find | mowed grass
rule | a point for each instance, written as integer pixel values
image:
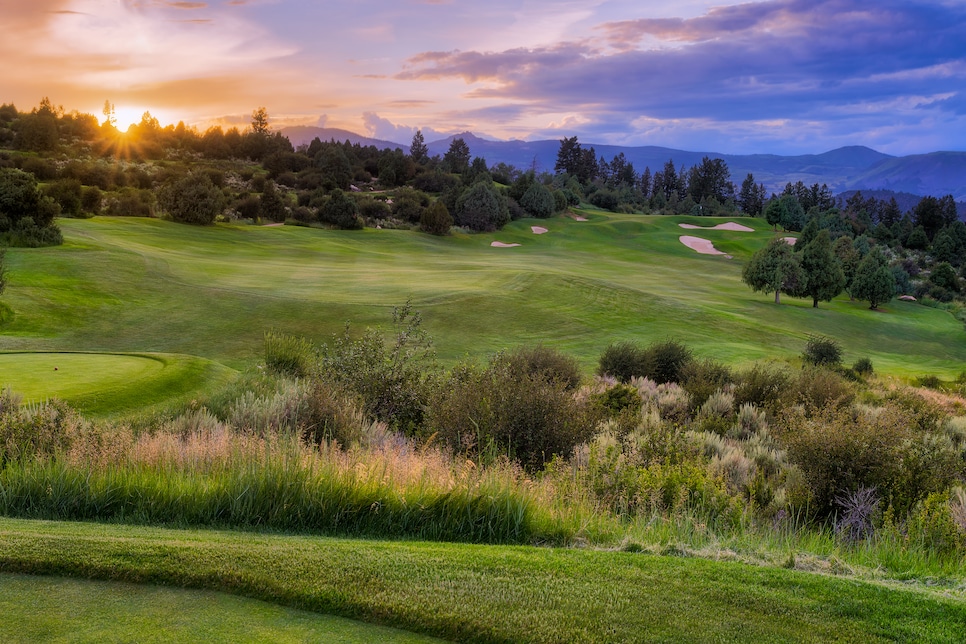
(50, 609)
(100, 384)
(136, 285)
(493, 593)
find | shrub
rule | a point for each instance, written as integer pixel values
(863, 367)
(436, 219)
(545, 363)
(622, 360)
(817, 387)
(340, 211)
(505, 410)
(666, 361)
(193, 199)
(44, 429)
(288, 355)
(763, 385)
(392, 381)
(702, 378)
(822, 351)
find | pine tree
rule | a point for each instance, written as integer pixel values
(418, 151)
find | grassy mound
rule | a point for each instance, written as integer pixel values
(491, 593)
(102, 383)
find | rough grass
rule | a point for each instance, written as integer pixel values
(51, 609)
(132, 285)
(491, 593)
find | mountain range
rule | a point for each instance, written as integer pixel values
(842, 169)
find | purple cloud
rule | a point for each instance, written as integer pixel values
(827, 61)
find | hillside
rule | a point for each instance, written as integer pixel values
(846, 168)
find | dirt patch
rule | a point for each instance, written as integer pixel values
(726, 226)
(498, 244)
(539, 230)
(702, 246)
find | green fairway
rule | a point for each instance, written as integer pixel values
(496, 593)
(99, 383)
(50, 609)
(134, 285)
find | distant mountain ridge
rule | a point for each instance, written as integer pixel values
(846, 168)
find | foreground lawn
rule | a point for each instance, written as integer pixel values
(135, 285)
(50, 609)
(490, 593)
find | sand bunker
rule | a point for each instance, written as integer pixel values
(727, 226)
(503, 245)
(790, 240)
(538, 230)
(702, 246)
(579, 218)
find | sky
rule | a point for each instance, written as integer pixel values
(779, 76)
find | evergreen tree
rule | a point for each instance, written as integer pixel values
(874, 281)
(418, 151)
(538, 200)
(436, 219)
(823, 275)
(774, 268)
(457, 157)
(809, 233)
(849, 259)
(751, 197)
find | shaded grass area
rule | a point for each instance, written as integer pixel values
(101, 384)
(492, 593)
(144, 285)
(49, 609)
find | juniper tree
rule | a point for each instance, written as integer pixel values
(774, 268)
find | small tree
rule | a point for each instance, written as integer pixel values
(538, 200)
(193, 199)
(823, 275)
(482, 208)
(822, 351)
(774, 268)
(874, 281)
(436, 219)
(340, 210)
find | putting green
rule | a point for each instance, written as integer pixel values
(48, 609)
(100, 383)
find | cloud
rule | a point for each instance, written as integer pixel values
(757, 63)
(378, 127)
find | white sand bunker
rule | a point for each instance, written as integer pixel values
(579, 218)
(727, 226)
(702, 246)
(538, 230)
(790, 240)
(497, 244)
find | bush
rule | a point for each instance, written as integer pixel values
(27, 432)
(393, 381)
(702, 378)
(285, 354)
(822, 351)
(193, 199)
(545, 363)
(763, 385)
(436, 219)
(863, 367)
(340, 211)
(817, 387)
(666, 361)
(503, 410)
(623, 361)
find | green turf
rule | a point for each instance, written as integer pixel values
(98, 383)
(135, 285)
(492, 593)
(50, 609)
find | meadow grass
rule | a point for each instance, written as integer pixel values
(134, 285)
(479, 593)
(51, 609)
